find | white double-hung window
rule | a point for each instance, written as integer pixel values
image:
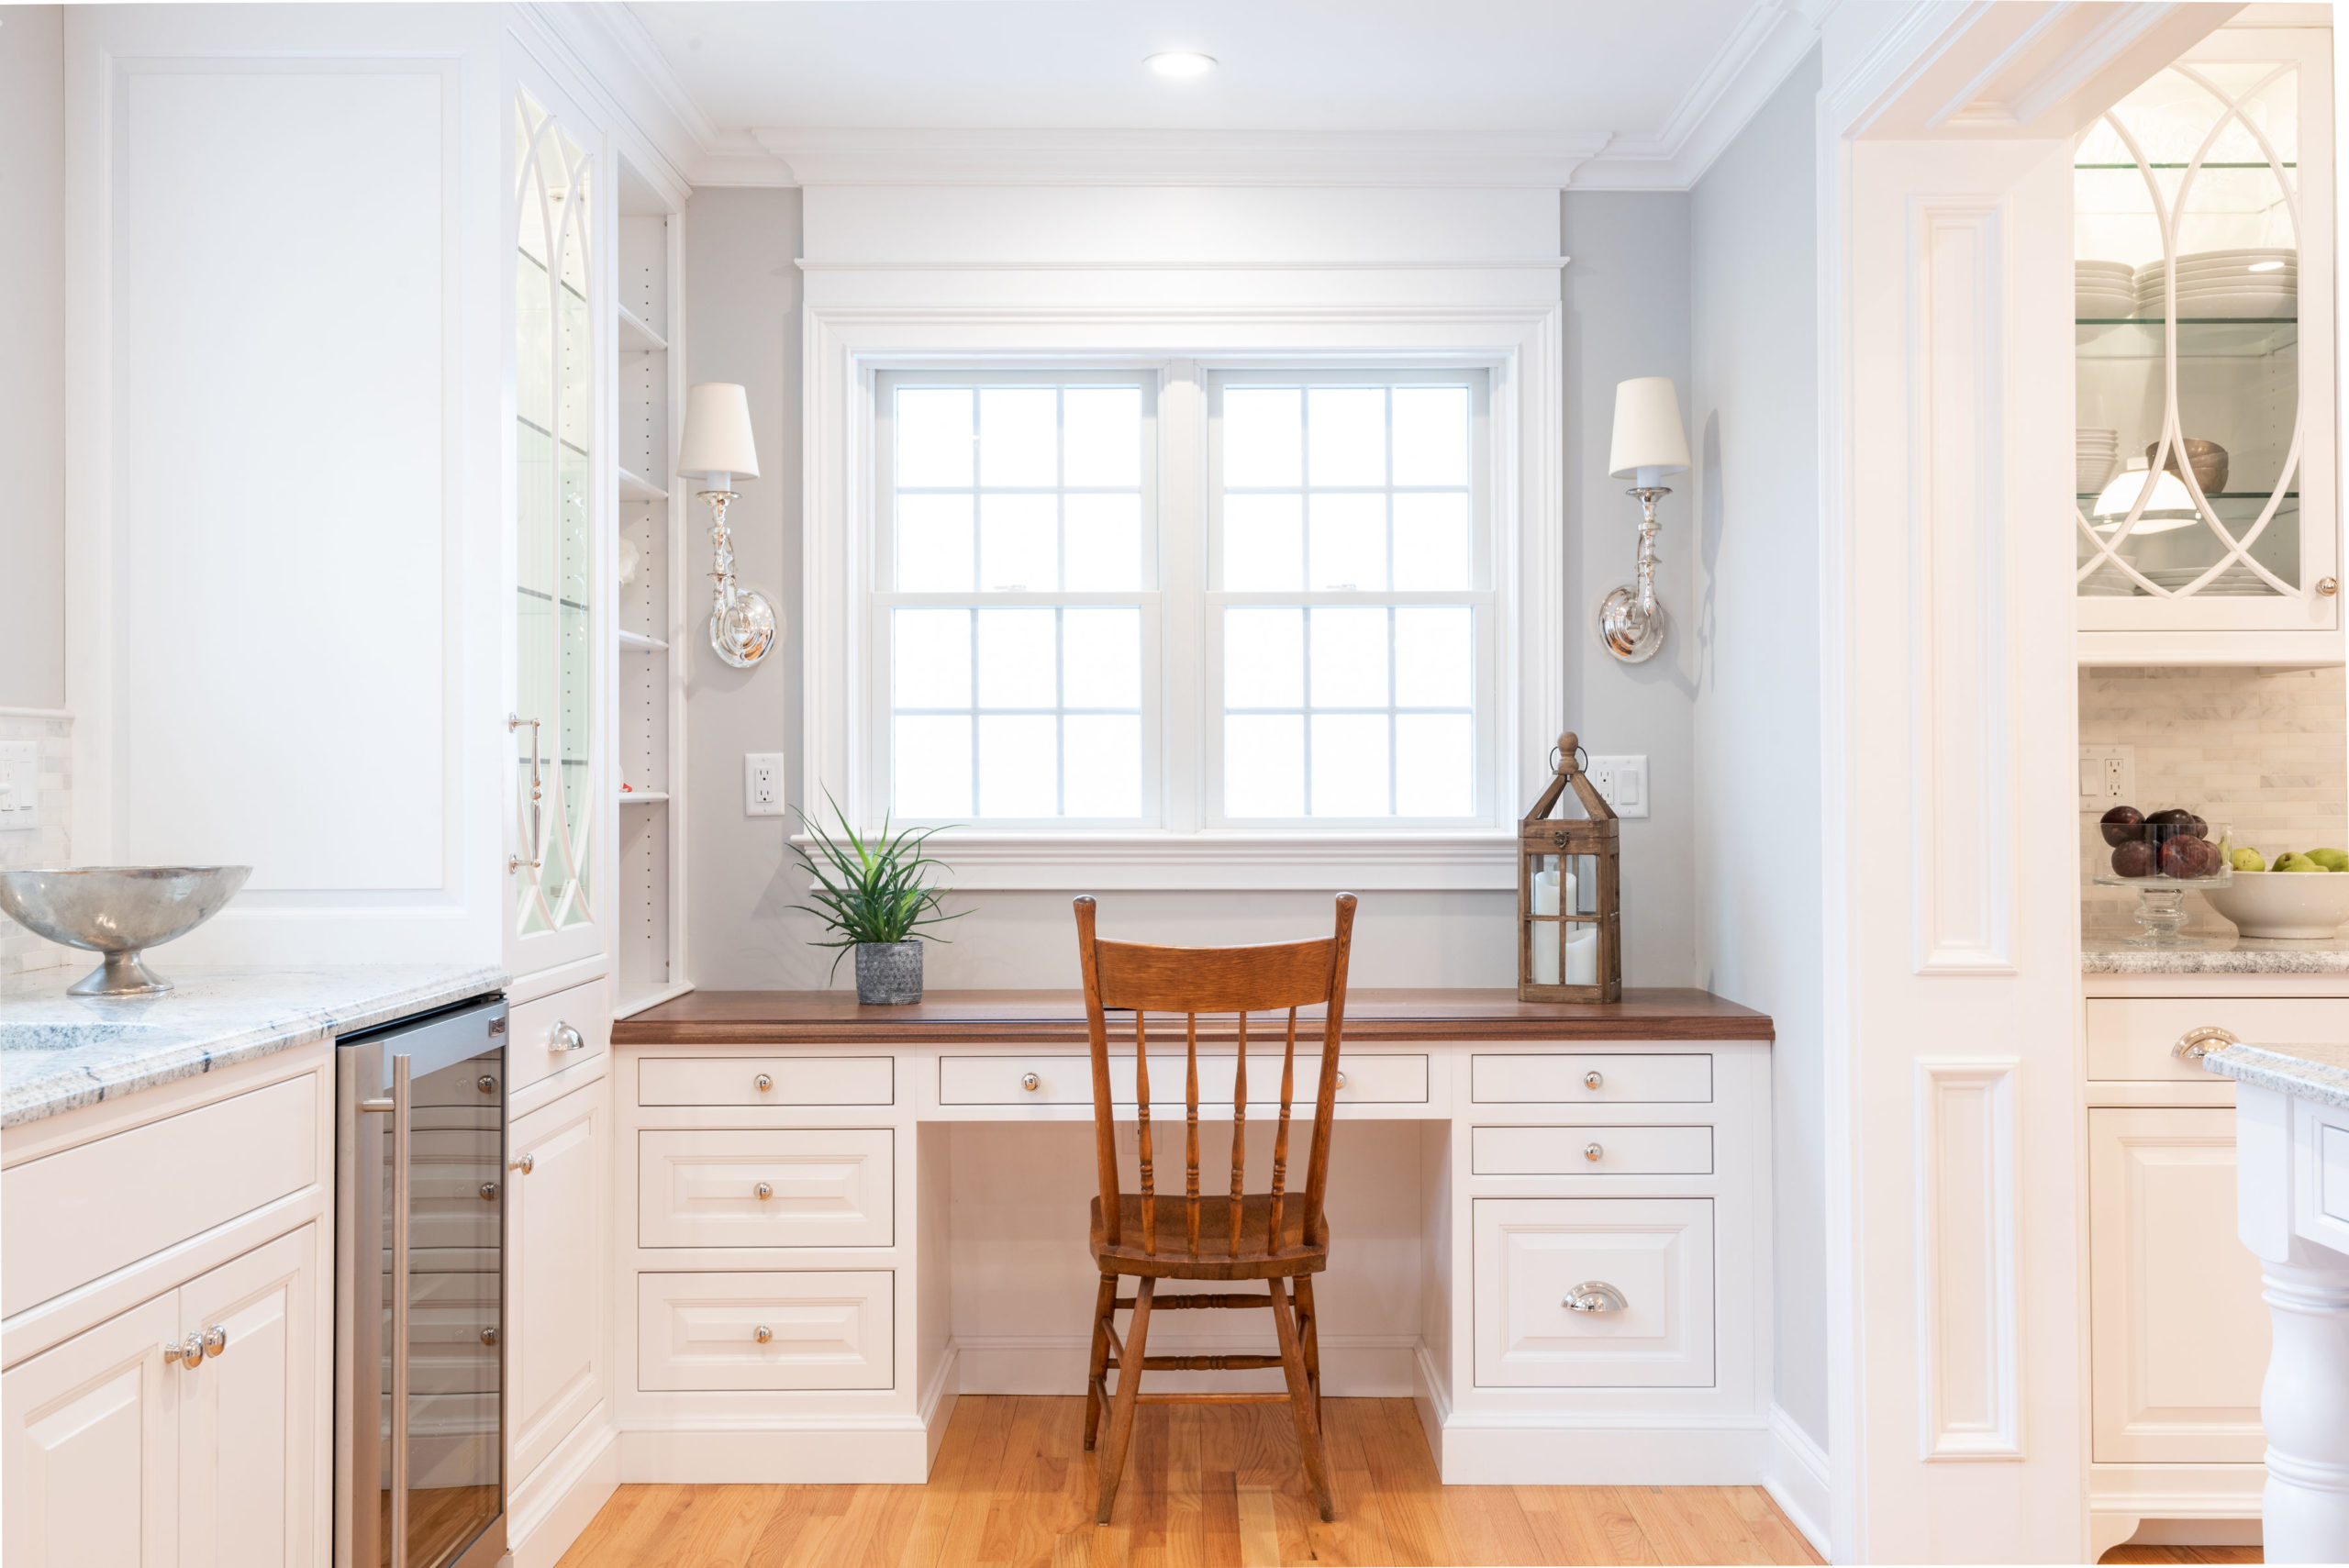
(1183, 599)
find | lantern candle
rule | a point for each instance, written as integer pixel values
(1569, 894)
(1580, 940)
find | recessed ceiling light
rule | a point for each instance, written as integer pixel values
(1180, 63)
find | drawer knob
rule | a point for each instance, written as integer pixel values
(489, 1192)
(1593, 1152)
(765, 1189)
(566, 1038)
(1596, 1296)
(762, 1082)
(486, 1084)
(523, 1164)
(1030, 1082)
(763, 1333)
(489, 1335)
(2195, 1044)
(189, 1353)
(216, 1340)
(1593, 1079)
(1342, 1079)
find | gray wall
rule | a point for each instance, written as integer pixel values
(1754, 646)
(32, 356)
(1627, 309)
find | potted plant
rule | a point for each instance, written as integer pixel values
(875, 897)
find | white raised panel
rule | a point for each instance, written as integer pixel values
(91, 1448)
(1592, 1077)
(1957, 673)
(824, 1330)
(1532, 1254)
(2165, 1266)
(1967, 1267)
(1591, 1151)
(250, 1431)
(558, 1222)
(88, 1210)
(828, 1187)
(790, 1081)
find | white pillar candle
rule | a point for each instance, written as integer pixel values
(1545, 933)
(1582, 955)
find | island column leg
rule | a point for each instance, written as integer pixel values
(2304, 1404)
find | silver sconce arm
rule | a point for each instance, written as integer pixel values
(742, 622)
(1631, 620)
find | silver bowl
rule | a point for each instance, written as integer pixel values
(118, 910)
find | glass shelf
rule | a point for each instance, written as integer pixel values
(2199, 338)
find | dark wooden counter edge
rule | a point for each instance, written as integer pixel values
(795, 1017)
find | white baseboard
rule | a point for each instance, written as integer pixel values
(1796, 1475)
(769, 1450)
(1353, 1366)
(547, 1511)
(1474, 1449)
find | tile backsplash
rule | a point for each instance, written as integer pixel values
(2265, 750)
(47, 841)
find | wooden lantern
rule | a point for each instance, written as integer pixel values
(1569, 893)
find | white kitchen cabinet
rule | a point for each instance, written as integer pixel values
(558, 1273)
(92, 1455)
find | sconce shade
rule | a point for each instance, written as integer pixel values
(1647, 428)
(717, 432)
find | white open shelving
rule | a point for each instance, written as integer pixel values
(648, 930)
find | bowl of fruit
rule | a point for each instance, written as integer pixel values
(2164, 855)
(2294, 898)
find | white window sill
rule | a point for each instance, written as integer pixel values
(1484, 859)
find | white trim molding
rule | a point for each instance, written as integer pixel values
(1076, 861)
(1969, 1319)
(1796, 1474)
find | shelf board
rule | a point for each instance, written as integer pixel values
(632, 488)
(636, 337)
(638, 642)
(643, 796)
(651, 996)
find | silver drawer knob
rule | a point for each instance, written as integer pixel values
(524, 1165)
(1596, 1296)
(486, 1084)
(566, 1038)
(1341, 1080)
(1593, 1152)
(489, 1192)
(489, 1335)
(189, 1353)
(2195, 1044)
(763, 1333)
(762, 1082)
(765, 1189)
(216, 1340)
(1030, 1082)
(1593, 1079)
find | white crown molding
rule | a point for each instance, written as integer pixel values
(1769, 41)
(907, 156)
(613, 48)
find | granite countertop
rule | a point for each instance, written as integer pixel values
(2319, 1073)
(2221, 952)
(59, 1052)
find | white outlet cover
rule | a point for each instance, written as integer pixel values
(1625, 783)
(20, 783)
(762, 783)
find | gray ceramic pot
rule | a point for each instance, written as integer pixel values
(888, 974)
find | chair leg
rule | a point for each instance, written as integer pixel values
(1308, 1323)
(1097, 1368)
(1301, 1401)
(1122, 1416)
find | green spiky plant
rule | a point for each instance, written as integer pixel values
(869, 890)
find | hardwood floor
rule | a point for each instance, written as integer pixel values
(1218, 1486)
(2183, 1555)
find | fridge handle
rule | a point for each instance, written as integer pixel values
(400, 1108)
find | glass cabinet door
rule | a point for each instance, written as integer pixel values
(2203, 495)
(555, 386)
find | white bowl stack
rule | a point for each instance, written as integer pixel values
(2104, 291)
(2258, 281)
(2096, 453)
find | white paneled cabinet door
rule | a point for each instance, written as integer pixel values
(2165, 1265)
(558, 1274)
(92, 1453)
(250, 1448)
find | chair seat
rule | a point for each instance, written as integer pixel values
(1215, 1260)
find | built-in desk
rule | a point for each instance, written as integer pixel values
(835, 1219)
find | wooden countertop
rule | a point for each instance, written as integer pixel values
(788, 1018)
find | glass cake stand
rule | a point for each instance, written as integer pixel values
(2161, 900)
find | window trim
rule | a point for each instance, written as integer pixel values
(1517, 341)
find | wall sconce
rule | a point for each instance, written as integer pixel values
(716, 449)
(1649, 443)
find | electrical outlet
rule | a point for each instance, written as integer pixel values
(1623, 781)
(20, 783)
(2108, 777)
(762, 783)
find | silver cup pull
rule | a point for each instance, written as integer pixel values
(1596, 1296)
(1030, 1082)
(1593, 1079)
(763, 1333)
(566, 1038)
(1594, 1153)
(2195, 1044)
(762, 1082)
(765, 1189)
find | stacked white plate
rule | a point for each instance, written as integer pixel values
(2104, 291)
(2096, 453)
(2263, 281)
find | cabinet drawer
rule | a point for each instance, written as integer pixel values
(789, 1080)
(2131, 1036)
(81, 1213)
(538, 1035)
(824, 1330)
(1068, 1080)
(1596, 1078)
(1655, 1254)
(1591, 1151)
(828, 1187)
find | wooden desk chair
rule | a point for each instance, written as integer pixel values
(1243, 1235)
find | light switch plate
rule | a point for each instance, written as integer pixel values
(19, 784)
(2108, 777)
(762, 783)
(1625, 783)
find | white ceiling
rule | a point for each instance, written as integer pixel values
(1586, 66)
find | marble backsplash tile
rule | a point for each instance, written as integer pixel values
(47, 842)
(2264, 750)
